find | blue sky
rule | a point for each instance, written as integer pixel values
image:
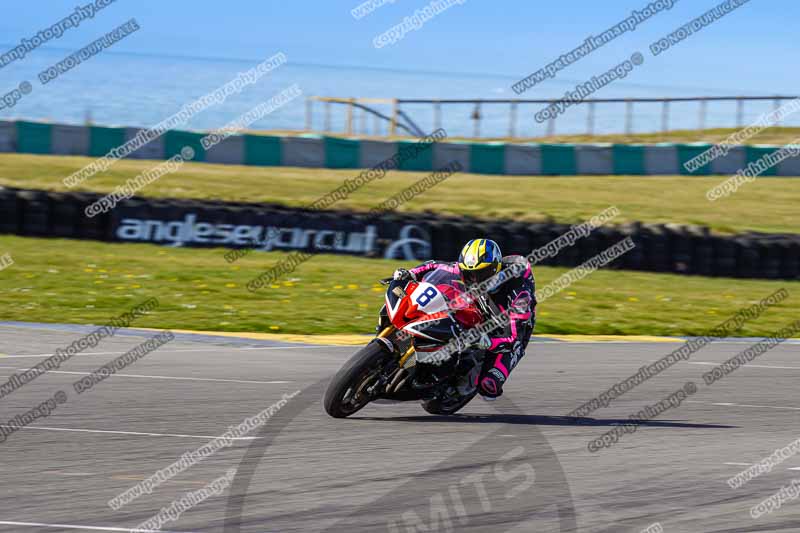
(740, 54)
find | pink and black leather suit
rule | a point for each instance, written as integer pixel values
(517, 298)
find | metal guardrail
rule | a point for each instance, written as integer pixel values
(399, 120)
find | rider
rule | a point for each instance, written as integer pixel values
(480, 259)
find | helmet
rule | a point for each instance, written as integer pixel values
(480, 259)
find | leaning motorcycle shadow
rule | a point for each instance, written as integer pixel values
(540, 420)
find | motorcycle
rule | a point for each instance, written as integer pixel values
(407, 360)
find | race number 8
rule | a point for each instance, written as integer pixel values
(425, 298)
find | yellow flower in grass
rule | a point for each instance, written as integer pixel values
(363, 305)
(352, 286)
(99, 281)
(288, 284)
(377, 289)
(136, 286)
(88, 270)
(633, 299)
(338, 287)
(274, 286)
(274, 327)
(230, 285)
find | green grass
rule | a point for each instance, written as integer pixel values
(768, 204)
(83, 282)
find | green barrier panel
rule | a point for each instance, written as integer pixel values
(754, 153)
(262, 150)
(175, 141)
(689, 151)
(628, 159)
(558, 159)
(342, 153)
(102, 140)
(34, 137)
(487, 158)
(413, 159)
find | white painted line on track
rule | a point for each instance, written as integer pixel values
(134, 433)
(82, 528)
(746, 366)
(226, 348)
(728, 404)
(794, 468)
(737, 464)
(168, 377)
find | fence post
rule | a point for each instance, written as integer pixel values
(512, 121)
(309, 112)
(739, 112)
(665, 116)
(327, 116)
(364, 121)
(476, 116)
(628, 117)
(393, 126)
(703, 110)
(590, 119)
(349, 121)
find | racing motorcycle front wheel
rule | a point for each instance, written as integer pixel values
(347, 392)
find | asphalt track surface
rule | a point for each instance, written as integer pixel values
(514, 465)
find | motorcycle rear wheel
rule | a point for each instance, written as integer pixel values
(345, 393)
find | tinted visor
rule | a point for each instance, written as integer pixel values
(474, 277)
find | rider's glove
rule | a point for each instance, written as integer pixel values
(484, 342)
(401, 274)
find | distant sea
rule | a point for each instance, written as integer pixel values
(127, 89)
